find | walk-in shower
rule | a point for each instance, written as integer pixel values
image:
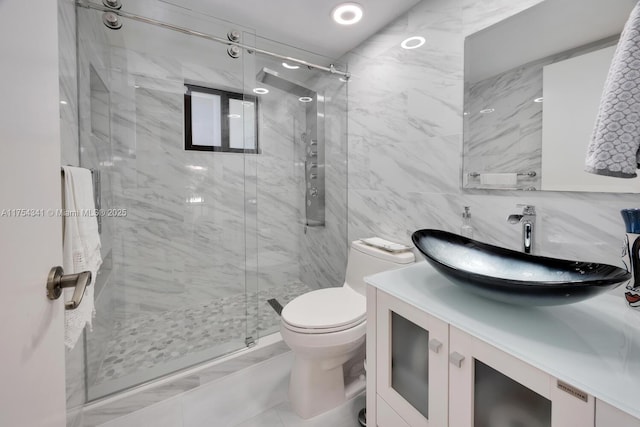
(211, 234)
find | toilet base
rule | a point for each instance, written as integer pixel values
(328, 388)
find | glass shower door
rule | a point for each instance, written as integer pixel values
(173, 289)
(301, 177)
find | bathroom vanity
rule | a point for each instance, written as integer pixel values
(439, 356)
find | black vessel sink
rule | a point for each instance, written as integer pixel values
(515, 277)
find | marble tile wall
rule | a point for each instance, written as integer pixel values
(510, 138)
(170, 253)
(323, 251)
(405, 145)
(206, 258)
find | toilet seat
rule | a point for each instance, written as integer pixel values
(325, 310)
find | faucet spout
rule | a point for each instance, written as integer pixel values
(514, 219)
(527, 218)
(527, 236)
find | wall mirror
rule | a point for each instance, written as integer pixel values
(532, 87)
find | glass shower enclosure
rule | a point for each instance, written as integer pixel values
(231, 166)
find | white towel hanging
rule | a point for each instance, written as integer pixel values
(81, 246)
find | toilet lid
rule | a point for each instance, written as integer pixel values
(328, 308)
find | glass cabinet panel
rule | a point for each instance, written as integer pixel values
(501, 401)
(410, 362)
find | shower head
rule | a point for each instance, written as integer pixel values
(273, 79)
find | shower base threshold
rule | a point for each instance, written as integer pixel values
(126, 402)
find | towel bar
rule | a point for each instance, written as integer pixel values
(530, 174)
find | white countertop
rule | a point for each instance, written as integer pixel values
(593, 345)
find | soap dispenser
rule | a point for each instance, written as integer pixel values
(466, 229)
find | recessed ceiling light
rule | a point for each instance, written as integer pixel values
(347, 13)
(63, 102)
(289, 66)
(305, 99)
(538, 99)
(234, 116)
(196, 167)
(136, 86)
(413, 42)
(487, 111)
(261, 90)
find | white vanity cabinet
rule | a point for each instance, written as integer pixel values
(440, 356)
(488, 387)
(609, 416)
(428, 373)
(411, 369)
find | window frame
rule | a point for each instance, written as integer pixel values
(225, 97)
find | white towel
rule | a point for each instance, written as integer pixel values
(386, 245)
(81, 247)
(510, 179)
(613, 150)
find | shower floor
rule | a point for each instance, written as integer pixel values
(149, 341)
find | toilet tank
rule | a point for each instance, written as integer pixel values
(365, 260)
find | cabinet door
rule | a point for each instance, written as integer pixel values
(412, 351)
(608, 416)
(490, 388)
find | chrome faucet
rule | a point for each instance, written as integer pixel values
(527, 219)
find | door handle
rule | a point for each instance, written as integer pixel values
(57, 281)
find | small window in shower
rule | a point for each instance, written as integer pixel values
(219, 120)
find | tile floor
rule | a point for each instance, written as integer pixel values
(283, 416)
(150, 340)
(255, 396)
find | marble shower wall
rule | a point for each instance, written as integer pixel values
(182, 241)
(405, 145)
(323, 250)
(510, 138)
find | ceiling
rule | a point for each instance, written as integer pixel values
(545, 29)
(306, 24)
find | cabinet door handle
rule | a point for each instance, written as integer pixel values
(456, 359)
(435, 345)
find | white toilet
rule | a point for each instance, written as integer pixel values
(326, 331)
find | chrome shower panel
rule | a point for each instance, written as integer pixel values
(313, 139)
